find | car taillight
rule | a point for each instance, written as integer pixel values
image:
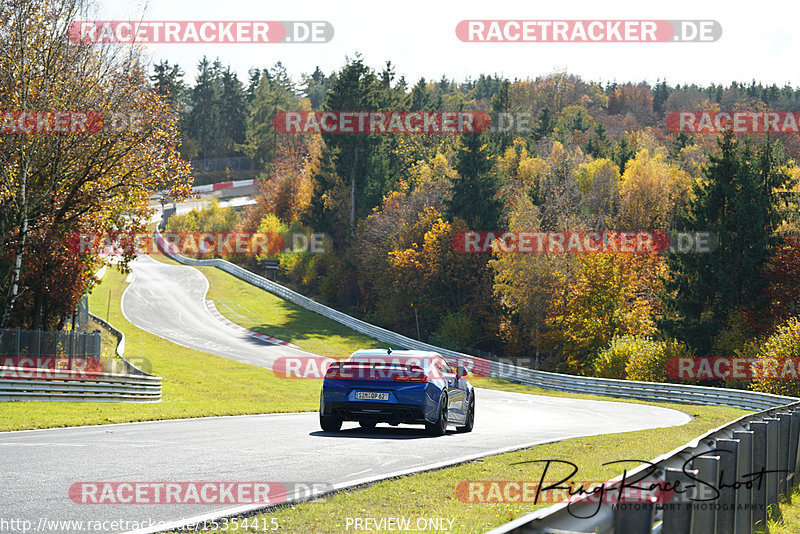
(335, 373)
(414, 374)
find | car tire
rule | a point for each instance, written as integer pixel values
(330, 423)
(367, 425)
(439, 428)
(470, 422)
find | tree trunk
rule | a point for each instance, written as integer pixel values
(353, 193)
(20, 252)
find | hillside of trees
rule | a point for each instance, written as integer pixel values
(594, 157)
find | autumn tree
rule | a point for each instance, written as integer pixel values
(286, 188)
(53, 186)
(524, 283)
(607, 295)
(651, 193)
(782, 291)
(598, 181)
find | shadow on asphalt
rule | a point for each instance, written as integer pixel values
(378, 433)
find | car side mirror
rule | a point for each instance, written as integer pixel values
(461, 371)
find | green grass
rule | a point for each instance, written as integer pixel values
(195, 384)
(433, 493)
(785, 519)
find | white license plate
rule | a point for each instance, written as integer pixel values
(372, 395)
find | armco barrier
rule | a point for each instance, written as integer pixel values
(105, 387)
(130, 385)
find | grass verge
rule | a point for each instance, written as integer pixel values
(785, 519)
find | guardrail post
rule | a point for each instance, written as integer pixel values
(784, 438)
(96, 349)
(728, 452)
(759, 429)
(797, 455)
(794, 441)
(772, 460)
(744, 495)
(704, 518)
(38, 350)
(634, 517)
(678, 511)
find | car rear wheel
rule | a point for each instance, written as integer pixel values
(439, 428)
(330, 423)
(367, 425)
(470, 422)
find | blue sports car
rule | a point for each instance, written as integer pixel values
(384, 386)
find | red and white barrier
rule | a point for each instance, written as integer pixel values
(209, 188)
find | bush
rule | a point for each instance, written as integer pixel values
(670, 350)
(749, 349)
(733, 336)
(783, 344)
(333, 282)
(456, 332)
(612, 361)
(639, 358)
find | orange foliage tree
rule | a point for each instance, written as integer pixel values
(606, 295)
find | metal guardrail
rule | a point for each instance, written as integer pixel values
(128, 384)
(748, 400)
(72, 386)
(723, 488)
